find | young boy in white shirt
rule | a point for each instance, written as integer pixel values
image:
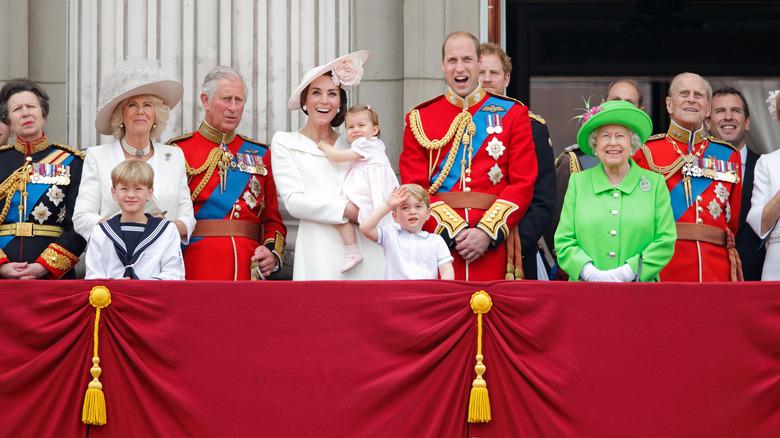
(134, 245)
(410, 253)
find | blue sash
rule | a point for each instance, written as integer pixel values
(34, 194)
(698, 183)
(479, 138)
(217, 206)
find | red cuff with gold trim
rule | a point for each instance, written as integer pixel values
(57, 260)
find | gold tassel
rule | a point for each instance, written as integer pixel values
(479, 403)
(94, 411)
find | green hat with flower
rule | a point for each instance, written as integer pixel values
(615, 112)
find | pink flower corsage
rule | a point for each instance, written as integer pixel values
(589, 113)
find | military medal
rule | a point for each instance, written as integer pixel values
(490, 129)
(499, 128)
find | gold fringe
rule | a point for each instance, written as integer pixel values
(94, 411)
(479, 402)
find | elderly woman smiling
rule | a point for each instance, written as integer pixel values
(136, 99)
(616, 223)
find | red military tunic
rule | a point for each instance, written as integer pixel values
(222, 250)
(712, 201)
(487, 184)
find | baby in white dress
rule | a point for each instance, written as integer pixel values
(369, 179)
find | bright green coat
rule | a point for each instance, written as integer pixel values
(609, 227)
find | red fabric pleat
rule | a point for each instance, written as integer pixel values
(392, 359)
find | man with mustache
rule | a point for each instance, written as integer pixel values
(704, 179)
(474, 154)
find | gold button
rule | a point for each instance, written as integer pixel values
(699, 198)
(238, 208)
(454, 219)
(235, 215)
(490, 219)
(699, 209)
(699, 220)
(467, 189)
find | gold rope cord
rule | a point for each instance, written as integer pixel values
(666, 171)
(209, 165)
(456, 129)
(16, 182)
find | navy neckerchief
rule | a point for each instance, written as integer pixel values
(113, 229)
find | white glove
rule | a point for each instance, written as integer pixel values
(618, 275)
(623, 274)
(592, 273)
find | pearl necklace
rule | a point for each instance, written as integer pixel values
(136, 152)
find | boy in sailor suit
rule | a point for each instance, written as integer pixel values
(134, 245)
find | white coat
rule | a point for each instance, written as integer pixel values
(171, 192)
(307, 181)
(766, 183)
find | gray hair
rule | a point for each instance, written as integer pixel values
(161, 111)
(706, 84)
(209, 86)
(636, 142)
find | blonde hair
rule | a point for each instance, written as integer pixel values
(161, 114)
(133, 171)
(372, 115)
(419, 193)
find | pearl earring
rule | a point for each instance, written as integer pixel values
(304, 107)
(338, 110)
(154, 125)
(121, 125)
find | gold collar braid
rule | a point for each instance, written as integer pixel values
(461, 123)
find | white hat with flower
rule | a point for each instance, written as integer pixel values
(772, 103)
(347, 72)
(134, 77)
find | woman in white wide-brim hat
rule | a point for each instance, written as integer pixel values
(135, 102)
(308, 181)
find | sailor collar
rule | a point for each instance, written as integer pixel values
(214, 135)
(32, 147)
(465, 102)
(683, 135)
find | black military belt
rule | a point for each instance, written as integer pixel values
(27, 229)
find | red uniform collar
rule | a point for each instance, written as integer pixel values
(465, 102)
(683, 135)
(214, 135)
(33, 147)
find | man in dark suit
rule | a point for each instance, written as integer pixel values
(729, 119)
(494, 72)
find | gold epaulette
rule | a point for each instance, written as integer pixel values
(426, 103)
(173, 141)
(721, 141)
(657, 136)
(73, 151)
(245, 138)
(536, 117)
(8, 146)
(505, 97)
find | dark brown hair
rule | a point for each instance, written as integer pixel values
(17, 86)
(339, 119)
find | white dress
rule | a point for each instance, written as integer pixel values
(171, 192)
(369, 180)
(307, 182)
(766, 182)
